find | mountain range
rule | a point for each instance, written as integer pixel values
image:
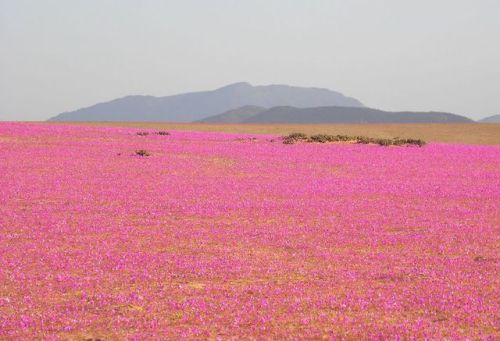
(330, 114)
(245, 103)
(491, 119)
(198, 105)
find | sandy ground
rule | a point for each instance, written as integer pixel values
(468, 133)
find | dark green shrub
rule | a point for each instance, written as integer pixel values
(297, 136)
(480, 259)
(321, 138)
(142, 152)
(398, 142)
(163, 133)
(324, 138)
(294, 137)
(344, 138)
(383, 142)
(363, 139)
(143, 133)
(417, 142)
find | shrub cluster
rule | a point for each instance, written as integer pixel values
(142, 152)
(324, 138)
(145, 133)
(294, 137)
(399, 142)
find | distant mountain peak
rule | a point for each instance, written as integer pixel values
(238, 85)
(491, 119)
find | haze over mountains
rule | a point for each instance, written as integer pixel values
(331, 114)
(491, 119)
(238, 115)
(198, 105)
(244, 103)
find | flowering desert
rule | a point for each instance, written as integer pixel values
(120, 233)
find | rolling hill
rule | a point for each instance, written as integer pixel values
(332, 114)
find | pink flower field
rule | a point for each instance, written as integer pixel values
(225, 236)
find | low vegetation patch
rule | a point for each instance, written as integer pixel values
(163, 133)
(325, 138)
(294, 137)
(143, 133)
(142, 152)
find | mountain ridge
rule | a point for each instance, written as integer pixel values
(491, 119)
(188, 107)
(235, 115)
(288, 114)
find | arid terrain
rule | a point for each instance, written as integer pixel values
(126, 233)
(467, 133)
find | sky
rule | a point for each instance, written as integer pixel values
(426, 55)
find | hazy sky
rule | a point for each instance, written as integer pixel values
(59, 55)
